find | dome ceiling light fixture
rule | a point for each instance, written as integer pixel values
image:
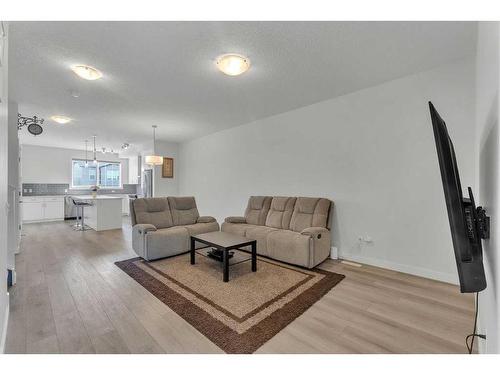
(232, 64)
(86, 72)
(154, 159)
(33, 124)
(60, 119)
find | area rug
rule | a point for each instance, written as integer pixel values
(242, 314)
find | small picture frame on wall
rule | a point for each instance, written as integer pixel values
(168, 168)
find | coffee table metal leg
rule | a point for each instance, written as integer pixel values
(226, 265)
(254, 257)
(192, 251)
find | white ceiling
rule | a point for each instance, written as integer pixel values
(163, 73)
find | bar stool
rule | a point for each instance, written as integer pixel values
(80, 214)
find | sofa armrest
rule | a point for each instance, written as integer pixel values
(236, 220)
(315, 232)
(205, 219)
(144, 228)
(139, 238)
(320, 244)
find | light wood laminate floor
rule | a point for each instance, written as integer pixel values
(71, 298)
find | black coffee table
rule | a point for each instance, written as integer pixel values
(225, 242)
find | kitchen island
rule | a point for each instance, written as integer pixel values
(105, 212)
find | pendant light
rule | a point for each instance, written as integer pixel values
(154, 159)
(86, 153)
(95, 157)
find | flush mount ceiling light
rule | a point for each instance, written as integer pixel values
(154, 159)
(60, 119)
(232, 64)
(86, 72)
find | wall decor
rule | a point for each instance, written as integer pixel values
(168, 168)
(34, 124)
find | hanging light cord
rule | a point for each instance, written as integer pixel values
(473, 335)
(154, 139)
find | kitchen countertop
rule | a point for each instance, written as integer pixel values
(70, 194)
(98, 197)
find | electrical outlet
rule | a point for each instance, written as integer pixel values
(366, 239)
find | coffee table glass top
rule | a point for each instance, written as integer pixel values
(237, 258)
(223, 239)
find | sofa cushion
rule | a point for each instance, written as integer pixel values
(199, 228)
(280, 212)
(183, 210)
(310, 212)
(155, 211)
(206, 219)
(166, 242)
(239, 229)
(260, 234)
(257, 209)
(290, 247)
(235, 219)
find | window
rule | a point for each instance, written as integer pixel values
(84, 176)
(104, 174)
(109, 174)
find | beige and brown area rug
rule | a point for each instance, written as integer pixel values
(242, 314)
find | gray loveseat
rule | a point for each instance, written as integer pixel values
(161, 227)
(294, 230)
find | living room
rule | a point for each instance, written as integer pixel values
(249, 187)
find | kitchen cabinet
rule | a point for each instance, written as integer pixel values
(125, 205)
(134, 169)
(32, 211)
(104, 213)
(42, 208)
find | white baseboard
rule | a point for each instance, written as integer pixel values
(417, 271)
(3, 339)
(42, 221)
(334, 253)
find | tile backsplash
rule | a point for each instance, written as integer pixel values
(64, 189)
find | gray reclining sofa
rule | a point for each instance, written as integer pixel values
(161, 227)
(294, 230)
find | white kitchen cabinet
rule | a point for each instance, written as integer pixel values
(54, 210)
(32, 211)
(104, 213)
(43, 208)
(133, 170)
(125, 205)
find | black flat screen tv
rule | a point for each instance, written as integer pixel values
(468, 224)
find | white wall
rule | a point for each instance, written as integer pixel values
(487, 138)
(4, 302)
(162, 187)
(372, 152)
(50, 165)
(13, 186)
